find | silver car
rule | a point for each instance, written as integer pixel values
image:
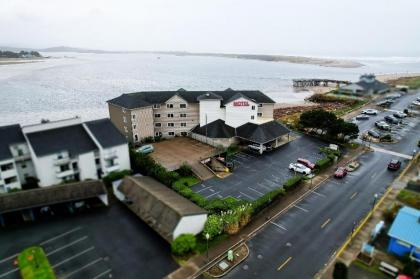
(299, 168)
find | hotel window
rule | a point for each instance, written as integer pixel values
(158, 134)
(171, 133)
(183, 105)
(7, 167)
(259, 114)
(183, 115)
(157, 115)
(253, 107)
(10, 180)
(171, 124)
(260, 105)
(158, 124)
(170, 115)
(156, 106)
(183, 124)
(133, 116)
(169, 105)
(136, 138)
(64, 168)
(252, 117)
(134, 127)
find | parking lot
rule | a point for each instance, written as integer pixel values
(256, 175)
(103, 243)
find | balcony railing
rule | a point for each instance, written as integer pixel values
(61, 174)
(61, 161)
(23, 157)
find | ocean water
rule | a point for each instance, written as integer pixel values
(70, 84)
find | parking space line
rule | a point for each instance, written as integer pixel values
(284, 263)
(220, 196)
(325, 223)
(279, 226)
(67, 245)
(102, 274)
(212, 195)
(61, 235)
(303, 209)
(83, 267)
(256, 191)
(319, 194)
(74, 256)
(252, 198)
(354, 194)
(261, 185)
(9, 258)
(203, 189)
(8, 272)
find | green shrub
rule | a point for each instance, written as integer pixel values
(267, 198)
(115, 175)
(323, 163)
(183, 244)
(185, 170)
(292, 183)
(213, 226)
(340, 271)
(199, 200)
(148, 139)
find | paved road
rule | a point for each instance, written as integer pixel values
(256, 175)
(102, 243)
(298, 243)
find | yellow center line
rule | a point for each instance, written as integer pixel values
(325, 223)
(284, 264)
(354, 194)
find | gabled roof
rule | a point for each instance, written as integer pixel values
(51, 195)
(106, 133)
(375, 86)
(217, 129)
(209, 96)
(406, 226)
(9, 135)
(238, 96)
(262, 133)
(73, 139)
(156, 204)
(149, 98)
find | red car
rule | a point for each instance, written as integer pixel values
(394, 164)
(306, 163)
(340, 172)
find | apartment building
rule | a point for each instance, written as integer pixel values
(59, 151)
(177, 113)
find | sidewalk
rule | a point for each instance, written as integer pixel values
(198, 264)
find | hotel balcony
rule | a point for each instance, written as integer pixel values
(61, 174)
(22, 157)
(112, 168)
(61, 161)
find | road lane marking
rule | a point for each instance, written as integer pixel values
(61, 235)
(256, 191)
(284, 263)
(279, 226)
(9, 272)
(212, 194)
(303, 209)
(102, 274)
(74, 256)
(325, 223)
(67, 245)
(83, 267)
(354, 194)
(252, 198)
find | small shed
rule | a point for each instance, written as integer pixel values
(168, 213)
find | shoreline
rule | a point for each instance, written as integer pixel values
(13, 61)
(395, 76)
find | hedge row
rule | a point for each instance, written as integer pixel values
(292, 183)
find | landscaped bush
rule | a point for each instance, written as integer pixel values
(183, 244)
(148, 139)
(386, 138)
(266, 199)
(323, 163)
(115, 175)
(340, 271)
(33, 264)
(185, 170)
(187, 181)
(218, 205)
(213, 226)
(292, 183)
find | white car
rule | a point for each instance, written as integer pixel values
(299, 168)
(256, 147)
(370, 111)
(416, 103)
(399, 114)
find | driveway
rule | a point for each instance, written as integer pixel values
(102, 243)
(255, 175)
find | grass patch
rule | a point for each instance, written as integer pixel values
(187, 181)
(374, 268)
(412, 82)
(201, 246)
(33, 264)
(409, 198)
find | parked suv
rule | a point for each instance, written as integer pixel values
(383, 125)
(306, 163)
(399, 114)
(391, 119)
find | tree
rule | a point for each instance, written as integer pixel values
(183, 244)
(213, 226)
(340, 271)
(317, 118)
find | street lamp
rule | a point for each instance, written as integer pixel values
(375, 197)
(207, 241)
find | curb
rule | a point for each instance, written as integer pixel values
(233, 266)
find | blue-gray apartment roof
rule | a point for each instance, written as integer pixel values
(406, 226)
(10, 134)
(106, 133)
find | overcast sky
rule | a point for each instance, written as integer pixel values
(299, 27)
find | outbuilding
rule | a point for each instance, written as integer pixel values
(168, 213)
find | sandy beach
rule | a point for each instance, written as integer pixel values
(12, 61)
(388, 77)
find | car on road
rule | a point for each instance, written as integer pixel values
(299, 168)
(382, 125)
(306, 163)
(374, 134)
(362, 117)
(399, 114)
(370, 111)
(394, 164)
(391, 119)
(145, 149)
(340, 172)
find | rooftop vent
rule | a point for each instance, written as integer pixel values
(181, 89)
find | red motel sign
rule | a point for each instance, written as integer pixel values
(240, 104)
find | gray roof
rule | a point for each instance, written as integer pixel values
(73, 139)
(106, 133)
(209, 96)
(156, 204)
(51, 195)
(261, 133)
(238, 96)
(9, 135)
(217, 129)
(375, 86)
(149, 98)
